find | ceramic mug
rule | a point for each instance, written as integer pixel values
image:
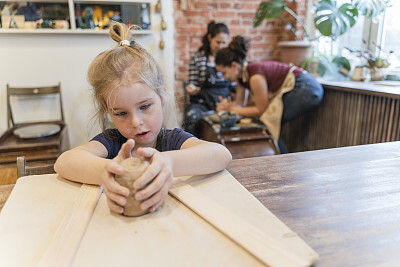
(30, 24)
(5, 22)
(61, 24)
(19, 21)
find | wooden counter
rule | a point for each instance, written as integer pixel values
(344, 202)
(351, 113)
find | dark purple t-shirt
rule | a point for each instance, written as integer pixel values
(167, 140)
(275, 73)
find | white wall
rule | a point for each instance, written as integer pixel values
(46, 59)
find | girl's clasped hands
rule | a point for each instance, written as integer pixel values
(152, 186)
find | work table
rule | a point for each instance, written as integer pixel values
(344, 202)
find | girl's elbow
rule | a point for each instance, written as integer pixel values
(58, 164)
(226, 156)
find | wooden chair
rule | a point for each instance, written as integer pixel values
(24, 170)
(40, 149)
(31, 92)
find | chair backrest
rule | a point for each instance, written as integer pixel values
(24, 170)
(31, 92)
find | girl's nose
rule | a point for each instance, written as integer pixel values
(136, 121)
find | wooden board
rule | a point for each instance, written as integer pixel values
(172, 236)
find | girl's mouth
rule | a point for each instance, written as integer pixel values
(142, 134)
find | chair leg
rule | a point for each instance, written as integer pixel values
(21, 165)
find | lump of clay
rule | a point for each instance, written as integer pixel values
(133, 169)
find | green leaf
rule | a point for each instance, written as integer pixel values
(269, 10)
(371, 8)
(342, 62)
(333, 21)
(323, 66)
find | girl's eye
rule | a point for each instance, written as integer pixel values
(144, 107)
(122, 113)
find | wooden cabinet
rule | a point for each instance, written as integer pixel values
(351, 113)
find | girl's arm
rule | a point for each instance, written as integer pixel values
(197, 157)
(259, 87)
(83, 164)
(87, 164)
(193, 86)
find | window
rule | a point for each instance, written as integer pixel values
(370, 34)
(391, 31)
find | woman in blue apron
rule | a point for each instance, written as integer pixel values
(206, 84)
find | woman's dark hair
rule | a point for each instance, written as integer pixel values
(213, 29)
(235, 51)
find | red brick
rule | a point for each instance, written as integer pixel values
(247, 14)
(201, 5)
(225, 5)
(225, 14)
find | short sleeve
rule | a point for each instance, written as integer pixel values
(112, 140)
(171, 139)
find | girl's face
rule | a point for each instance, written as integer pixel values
(136, 111)
(229, 72)
(219, 41)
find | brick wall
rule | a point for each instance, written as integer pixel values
(191, 19)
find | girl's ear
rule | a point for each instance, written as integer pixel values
(234, 64)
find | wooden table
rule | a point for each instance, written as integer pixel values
(242, 140)
(344, 202)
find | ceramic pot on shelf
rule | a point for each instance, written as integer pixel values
(295, 52)
(376, 74)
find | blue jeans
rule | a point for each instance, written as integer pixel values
(306, 95)
(193, 117)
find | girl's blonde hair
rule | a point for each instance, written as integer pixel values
(125, 64)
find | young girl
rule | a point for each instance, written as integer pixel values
(264, 79)
(129, 86)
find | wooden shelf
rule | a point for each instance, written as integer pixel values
(67, 31)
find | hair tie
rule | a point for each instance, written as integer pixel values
(124, 42)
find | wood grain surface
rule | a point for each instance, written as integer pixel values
(347, 116)
(344, 202)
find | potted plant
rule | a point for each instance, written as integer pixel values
(291, 51)
(331, 20)
(372, 63)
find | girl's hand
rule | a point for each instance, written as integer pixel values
(155, 182)
(224, 104)
(115, 193)
(192, 89)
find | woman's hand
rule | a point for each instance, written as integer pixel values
(224, 104)
(115, 193)
(192, 89)
(155, 182)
